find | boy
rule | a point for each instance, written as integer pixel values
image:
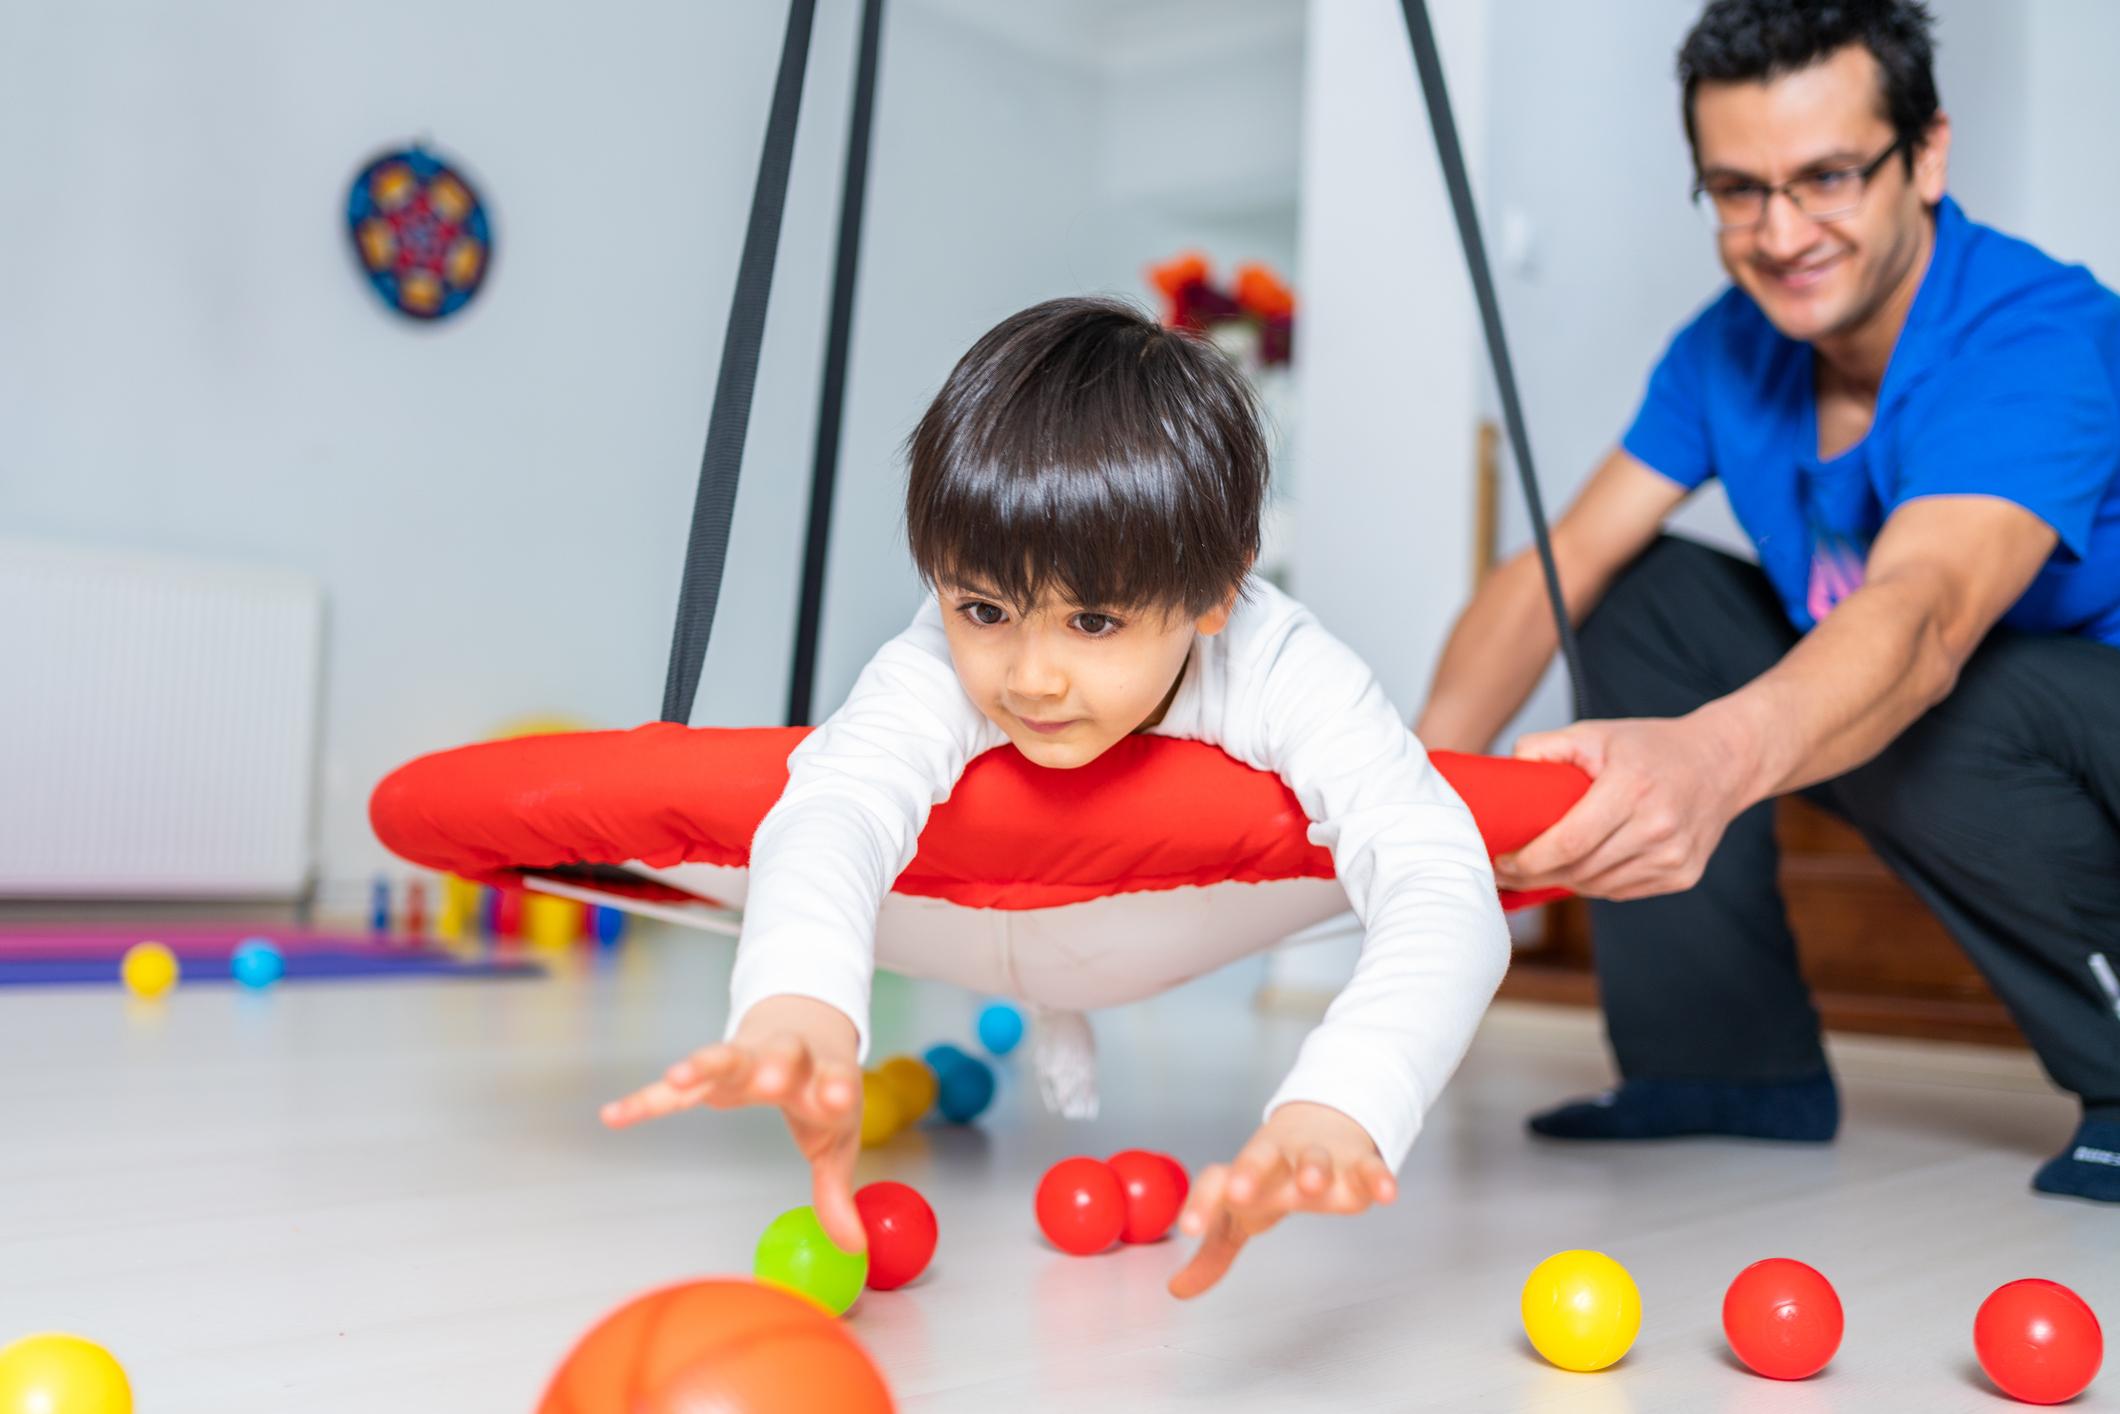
(1084, 499)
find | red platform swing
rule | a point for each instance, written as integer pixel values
(659, 819)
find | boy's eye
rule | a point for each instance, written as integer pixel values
(1096, 625)
(985, 615)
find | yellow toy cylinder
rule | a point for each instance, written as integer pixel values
(550, 921)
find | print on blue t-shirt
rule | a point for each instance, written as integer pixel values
(2005, 382)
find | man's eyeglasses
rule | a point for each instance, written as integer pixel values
(1734, 204)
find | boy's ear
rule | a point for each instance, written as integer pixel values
(1216, 619)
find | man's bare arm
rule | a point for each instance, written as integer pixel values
(1663, 790)
(1941, 573)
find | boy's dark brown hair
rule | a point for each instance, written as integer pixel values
(1081, 446)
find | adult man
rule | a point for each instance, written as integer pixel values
(1917, 420)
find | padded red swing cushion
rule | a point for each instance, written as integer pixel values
(1151, 813)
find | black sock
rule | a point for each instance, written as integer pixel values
(2089, 1167)
(1806, 1110)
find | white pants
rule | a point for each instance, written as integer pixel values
(1079, 956)
(1061, 961)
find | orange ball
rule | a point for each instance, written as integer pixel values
(726, 1345)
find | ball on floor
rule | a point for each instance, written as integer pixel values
(901, 1231)
(1000, 1028)
(62, 1374)
(257, 964)
(795, 1254)
(149, 969)
(1783, 1319)
(941, 1056)
(1155, 1185)
(1081, 1206)
(882, 1116)
(965, 1089)
(1581, 1310)
(725, 1345)
(913, 1081)
(2038, 1341)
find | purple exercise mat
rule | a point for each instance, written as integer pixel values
(55, 955)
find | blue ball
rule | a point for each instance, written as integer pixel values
(967, 1088)
(256, 963)
(610, 924)
(941, 1058)
(1000, 1028)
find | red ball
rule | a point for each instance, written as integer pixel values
(735, 1346)
(2038, 1341)
(1155, 1186)
(1081, 1206)
(1783, 1319)
(901, 1229)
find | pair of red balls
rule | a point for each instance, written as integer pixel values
(2037, 1340)
(1085, 1205)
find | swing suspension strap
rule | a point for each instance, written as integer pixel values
(707, 551)
(1428, 63)
(831, 402)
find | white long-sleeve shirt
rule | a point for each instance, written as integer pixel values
(1275, 691)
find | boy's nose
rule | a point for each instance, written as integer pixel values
(1034, 677)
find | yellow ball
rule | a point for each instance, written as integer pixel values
(881, 1116)
(913, 1083)
(149, 970)
(1581, 1310)
(62, 1374)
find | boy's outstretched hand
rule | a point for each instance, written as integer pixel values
(798, 1054)
(1306, 1158)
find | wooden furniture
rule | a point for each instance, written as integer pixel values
(1876, 959)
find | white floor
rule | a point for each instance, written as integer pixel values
(396, 1197)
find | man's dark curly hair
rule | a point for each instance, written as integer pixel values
(1736, 40)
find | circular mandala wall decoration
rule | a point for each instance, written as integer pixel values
(420, 233)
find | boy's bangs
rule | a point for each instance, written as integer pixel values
(1097, 536)
(1080, 449)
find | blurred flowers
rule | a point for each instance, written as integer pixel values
(1261, 303)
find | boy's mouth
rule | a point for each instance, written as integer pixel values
(1047, 728)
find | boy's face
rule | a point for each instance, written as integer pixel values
(1064, 681)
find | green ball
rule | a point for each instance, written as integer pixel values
(795, 1254)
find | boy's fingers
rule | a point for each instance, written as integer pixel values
(832, 1193)
(783, 1069)
(1211, 1261)
(648, 1102)
(1259, 1169)
(705, 1065)
(1315, 1176)
(1376, 1177)
(835, 1091)
(1205, 1201)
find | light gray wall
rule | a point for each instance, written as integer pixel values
(188, 361)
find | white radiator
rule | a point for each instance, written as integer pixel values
(158, 726)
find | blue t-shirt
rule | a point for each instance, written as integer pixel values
(2005, 382)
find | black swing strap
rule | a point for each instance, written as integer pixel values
(706, 553)
(1429, 64)
(831, 402)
